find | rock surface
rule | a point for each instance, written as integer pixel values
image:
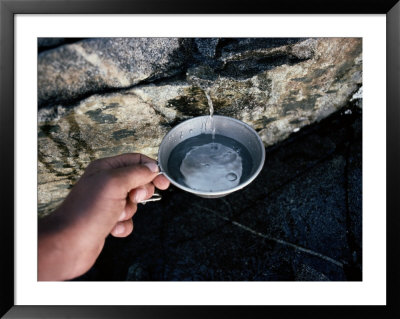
(147, 86)
(44, 43)
(300, 219)
(73, 71)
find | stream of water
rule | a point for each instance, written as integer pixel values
(211, 108)
(209, 162)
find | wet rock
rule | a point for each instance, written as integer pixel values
(288, 97)
(291, 223)
(357, 97)
(277, 87)
(234, 45)
(100, 126)
(44, 43)
(136, 273)
(73, 71)
(207, 46)
(276, 102)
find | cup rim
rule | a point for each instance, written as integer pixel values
(216, 193)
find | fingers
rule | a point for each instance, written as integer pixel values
(161, 182)
(127, 159)
(122, 160)
(129, 210)
(125, 179)
(146, 159)
(141, 193)
(125, 225)
(123, 228)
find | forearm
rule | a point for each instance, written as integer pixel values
(61, 249)
(52, 258)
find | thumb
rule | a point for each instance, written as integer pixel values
(133, 176)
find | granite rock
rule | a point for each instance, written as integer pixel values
(276, 86)
(100, 126)
(207, 46)
(300, 219)
(45, 43)
(70, 72)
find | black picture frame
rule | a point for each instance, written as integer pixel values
(9, 8)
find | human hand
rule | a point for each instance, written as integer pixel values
(102, 202)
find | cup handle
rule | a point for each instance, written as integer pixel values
(156, 197)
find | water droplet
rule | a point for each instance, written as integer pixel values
(181, 135)
(231, 177)
(191, 131)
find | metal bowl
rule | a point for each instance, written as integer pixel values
(226, 126)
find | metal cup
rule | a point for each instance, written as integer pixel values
(226, 126)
